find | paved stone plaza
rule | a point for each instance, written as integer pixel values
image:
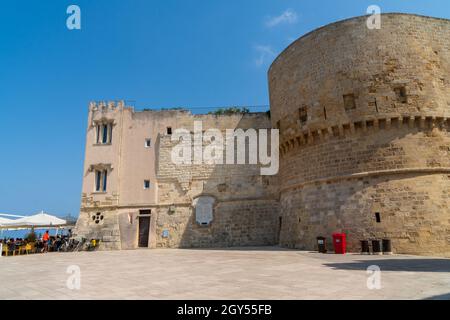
(250, 273)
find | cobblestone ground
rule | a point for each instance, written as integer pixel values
(250, 273)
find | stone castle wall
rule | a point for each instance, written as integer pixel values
(413, 211)
(246, 204)
(364, 118)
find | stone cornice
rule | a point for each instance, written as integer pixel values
(165, 205)
(421, 171)
(307, 136)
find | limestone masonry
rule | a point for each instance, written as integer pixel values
(151, 202)
(364, 120)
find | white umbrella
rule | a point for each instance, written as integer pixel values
(11, 215)
(38, 220)
(4, 221)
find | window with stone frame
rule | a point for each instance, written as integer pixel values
(104, 132)
(100, 175)
(303, 114)
(101, 180)
(377, 217)
(97, 218)
(400, 93)
(349, 101)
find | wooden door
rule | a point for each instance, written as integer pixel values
(144, 231)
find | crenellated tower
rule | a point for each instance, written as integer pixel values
(364, 119)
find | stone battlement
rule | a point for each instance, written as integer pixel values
(106, 105)
(365, 133)
(304, 137)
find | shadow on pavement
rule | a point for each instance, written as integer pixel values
(262, 248)
(440, 297)
(410, 265)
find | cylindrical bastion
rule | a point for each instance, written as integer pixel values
(364, 119)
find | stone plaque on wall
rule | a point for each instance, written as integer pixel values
(204, 210)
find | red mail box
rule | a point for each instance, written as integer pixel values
(339, 243)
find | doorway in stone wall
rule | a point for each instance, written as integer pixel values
(280, 224)
(144, 228)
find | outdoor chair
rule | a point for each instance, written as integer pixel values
(32, 247)
(12, 249)
(16, 250)
(5, 250)
(26, 249)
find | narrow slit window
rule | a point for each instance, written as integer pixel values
(110, 133)
(148, 143)
(303, 114)
(105, 180)
(98, 133)
(105, 134)
(377, 217)
(98, 180)
(147, 184)
(169, 130)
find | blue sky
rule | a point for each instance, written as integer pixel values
(165, 53)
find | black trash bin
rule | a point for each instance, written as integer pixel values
(365, 247)
(387, 246)
(376, 247)
(322, 244)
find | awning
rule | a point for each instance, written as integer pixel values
(4, 221)
(40, 220)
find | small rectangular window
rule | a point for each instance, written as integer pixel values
(105, 134)
(98, 134)
(110, 133)
(169, 130)
(400, 92)
(148, 143)
(303, 114)
(98, 180)
(101, 180)
(147, 184)
(105, 180)
(378, 217)
(349, 102)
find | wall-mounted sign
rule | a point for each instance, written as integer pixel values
(165, 233)
(204, 210)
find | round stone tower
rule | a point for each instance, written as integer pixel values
(364, 119)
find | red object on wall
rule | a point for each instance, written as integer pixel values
(339, 243)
